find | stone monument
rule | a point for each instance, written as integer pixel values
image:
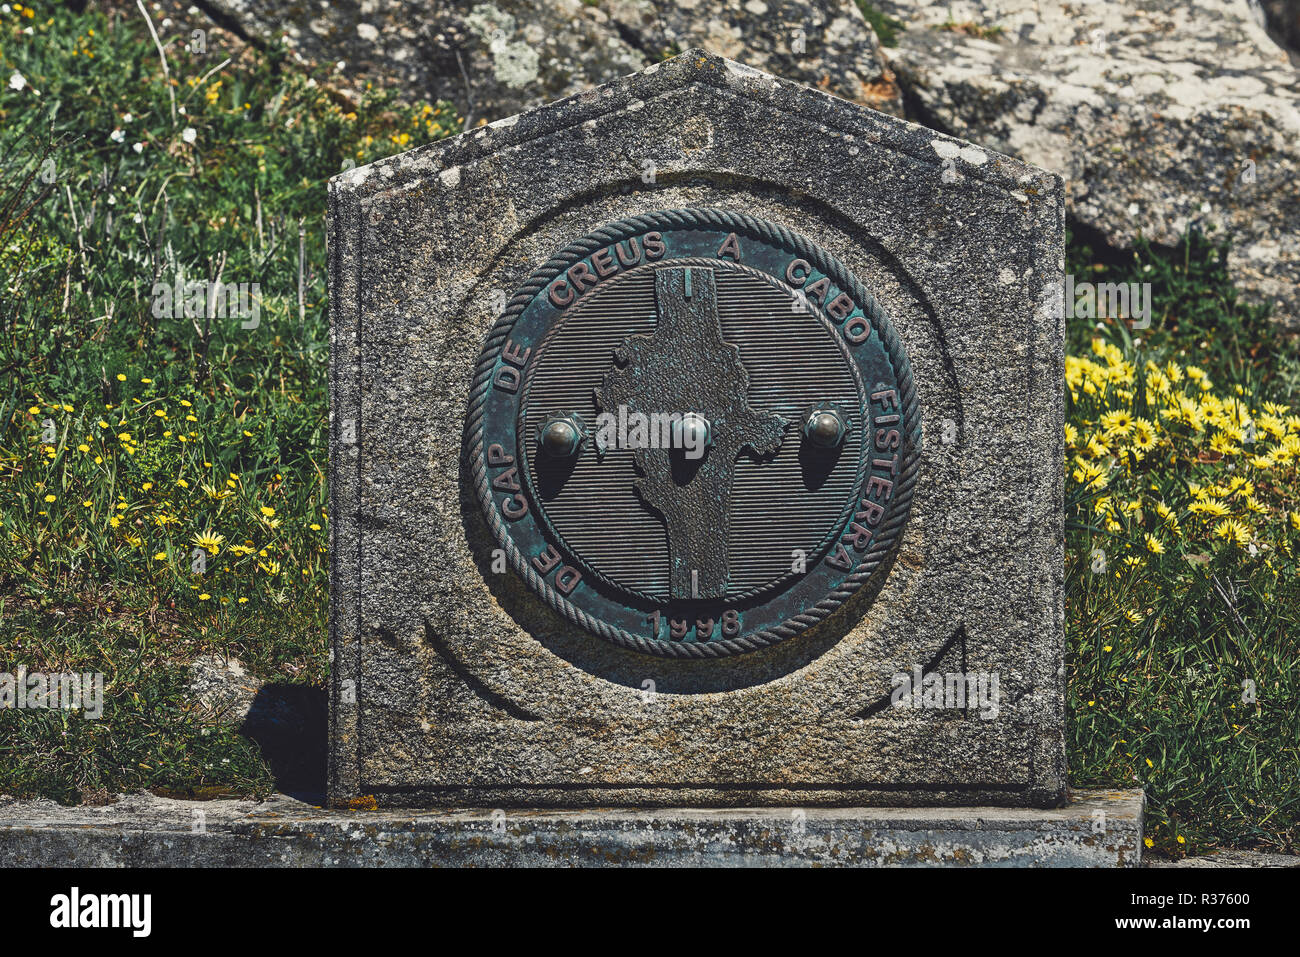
(697, 442)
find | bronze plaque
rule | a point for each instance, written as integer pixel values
(694, 433)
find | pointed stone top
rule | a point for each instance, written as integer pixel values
(734, 87)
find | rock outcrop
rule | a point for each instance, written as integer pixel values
(498, 58)
(1160, 114)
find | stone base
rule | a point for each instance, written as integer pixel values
(1094, 829)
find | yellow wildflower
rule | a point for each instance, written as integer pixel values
(209, 540)
(1117, 423)
(1233, 532)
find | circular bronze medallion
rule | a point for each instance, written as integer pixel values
(694, 433)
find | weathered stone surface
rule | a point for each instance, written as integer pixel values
(453, 685)
(494, 59)
(1158, 113)
(1095, 829)
(223, 689)
(1226, 858)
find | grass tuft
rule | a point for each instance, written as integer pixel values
(162, 473)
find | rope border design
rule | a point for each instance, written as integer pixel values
(772, 234)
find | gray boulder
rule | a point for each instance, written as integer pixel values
(1160, 114)
(495, 59)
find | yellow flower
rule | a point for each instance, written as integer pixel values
(51, 498)
(160, 557)
(1148, 842)
(204, 597)
(1091, 475)
(87, 503)
(1233, 531)
(268, 511)
(1272, 425)
(314, 527)
(1117, 423)
(1224, 443)
(83, 447)
(1144, 434)
(35, 410)
(1211, 508)
(209, 540)
(1153, 545)
(1097, 447)
(121, 377)
(1181, 839)
(182, 483)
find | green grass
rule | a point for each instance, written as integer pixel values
(885, 26)
(1183, 529)
(97, 544)
(162, 488)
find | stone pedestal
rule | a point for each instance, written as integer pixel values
(1093, 829)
